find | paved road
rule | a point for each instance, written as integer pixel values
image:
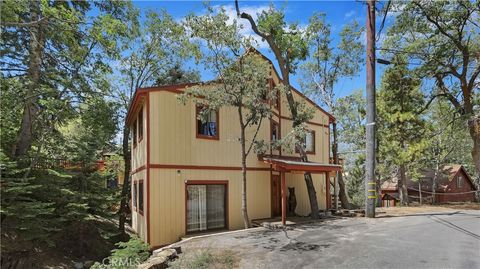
(432, 240)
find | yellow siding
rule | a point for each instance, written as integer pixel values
(173, 132)
(167, 192)
(303, 203)
(173, 142)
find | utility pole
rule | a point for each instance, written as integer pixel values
(370, 188)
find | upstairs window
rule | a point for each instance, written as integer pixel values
(140, 125)
(134, 134)
(459, 181)
(275, 132)
(207, 129)
(308, 142)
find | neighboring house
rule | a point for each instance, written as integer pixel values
(186, 175)
(454, 184)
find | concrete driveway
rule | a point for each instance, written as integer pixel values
(430, 240)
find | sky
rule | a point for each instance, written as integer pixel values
(338, 13)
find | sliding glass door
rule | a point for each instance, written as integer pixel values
(206, 207)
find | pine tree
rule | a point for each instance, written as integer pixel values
(401, 128)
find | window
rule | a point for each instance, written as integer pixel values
(206, 207)
(209, 128)
(140, 125)
(134, 134)
(459, 181)
(140, 196)
(134, 194)
(275, 132)
(309, 142)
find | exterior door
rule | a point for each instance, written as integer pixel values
(276, 196)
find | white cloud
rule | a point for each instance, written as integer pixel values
(246, 29)
(350, 14)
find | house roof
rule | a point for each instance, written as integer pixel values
(140, 93)
(289, 165)
(446, 174)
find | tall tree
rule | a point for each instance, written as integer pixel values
(289, 46)
(350, 118)
(444, 38)
(401, 129)
(58, 50)
(152, 51)
(242, 82)
(325, 66)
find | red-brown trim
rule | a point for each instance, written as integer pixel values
(217, 134)
(328, 198)
(208, 182)
(205, 167)
(148, 167)
(178, 88)
(140, 211)
(141, 168)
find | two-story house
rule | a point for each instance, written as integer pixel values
(186, 174)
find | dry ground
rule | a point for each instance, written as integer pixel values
(418, 209)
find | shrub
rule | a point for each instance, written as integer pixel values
(127, 255)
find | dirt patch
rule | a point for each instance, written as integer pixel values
(417, 209)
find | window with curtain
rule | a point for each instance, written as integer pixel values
(209, 127)
(206, 207)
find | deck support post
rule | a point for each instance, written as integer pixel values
(284, 199)
(327, 190)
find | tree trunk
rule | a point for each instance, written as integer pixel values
(434, 183)
(474, 130)
(402, 185)
(341, 184)
(312, 194)
(125, 196)
(246, 221)
(285, 70)
(30, 110)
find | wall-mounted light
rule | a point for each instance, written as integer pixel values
(179, 172)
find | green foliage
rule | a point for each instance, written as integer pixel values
(329, 62)
(288, 37)
(127, 255)
(242, 73)
(355, 181)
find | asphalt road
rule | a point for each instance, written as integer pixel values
(431, 240)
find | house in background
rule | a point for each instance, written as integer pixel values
(454, 184)
(186, 175)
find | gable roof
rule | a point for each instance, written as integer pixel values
(178, 88)
(445, 176)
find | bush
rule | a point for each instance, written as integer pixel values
(127, 255)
